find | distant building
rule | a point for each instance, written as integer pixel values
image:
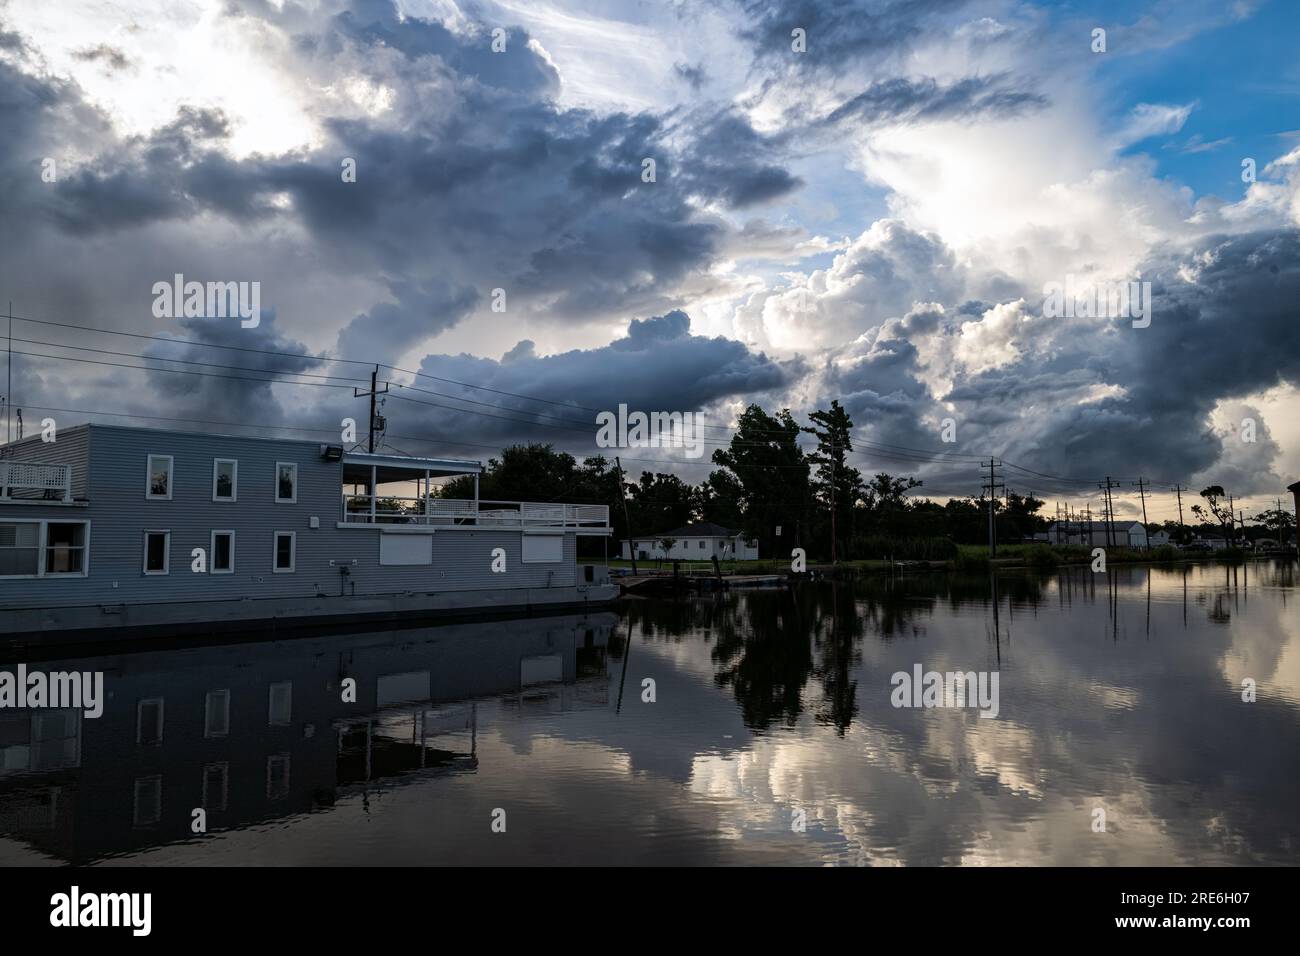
(1093, 534)
(697, 541)
(1213, 540)
(1159, 539)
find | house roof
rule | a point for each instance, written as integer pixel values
(699, 529)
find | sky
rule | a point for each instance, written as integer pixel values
(858, 200)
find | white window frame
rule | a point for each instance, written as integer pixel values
(278, 499)
(234, 478)
(212, 553)
(139, 713)
(224, 767)
(208, 732)
(42, 546)
(148, 477)
(270, 704)
(293, 552)
(167, 552)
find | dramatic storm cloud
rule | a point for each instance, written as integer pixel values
(687, 206)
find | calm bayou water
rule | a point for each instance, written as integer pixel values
(1120, 691)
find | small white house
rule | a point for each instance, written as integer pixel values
(1095, 534)
(1160, 539)
(697, 541)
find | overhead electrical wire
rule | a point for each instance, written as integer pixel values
(871, 449)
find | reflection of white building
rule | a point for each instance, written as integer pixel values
(697, 541)
(1096, 534)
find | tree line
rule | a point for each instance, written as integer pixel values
(765, 480)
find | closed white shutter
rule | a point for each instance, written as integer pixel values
(398, 549)
(543, 548)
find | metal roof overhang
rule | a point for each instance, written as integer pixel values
(400, 467)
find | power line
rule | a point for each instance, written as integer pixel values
(873, 450)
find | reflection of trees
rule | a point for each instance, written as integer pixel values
(836, 635)
(768, 660)
(768, 644)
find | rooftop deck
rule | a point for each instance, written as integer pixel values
(35, 481)
(362, 509)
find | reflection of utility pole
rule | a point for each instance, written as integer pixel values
(992, 488)
(627, 652)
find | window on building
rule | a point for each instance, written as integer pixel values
(65, 547)
(223, 552)
(216, 786)
(158, 484)
(149, 721)
(157, 548)
(20, 548)
(701, 544)
(286, 482)
(281, 704)
(148, 801)
(277, 776)
(216, 714)
(225, 479)
(284, 548)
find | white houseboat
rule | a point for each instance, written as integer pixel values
(113, 531)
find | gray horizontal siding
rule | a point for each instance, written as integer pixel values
(119, 515)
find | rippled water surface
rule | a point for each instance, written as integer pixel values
(1120, 692)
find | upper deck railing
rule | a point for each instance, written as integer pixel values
(448, 512)
(31, 480)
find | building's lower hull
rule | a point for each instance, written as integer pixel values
(92, 624)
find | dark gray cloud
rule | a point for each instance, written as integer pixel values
(735, 164)
(839, 31)
(658, 366)
(474, 180)
(903, 100)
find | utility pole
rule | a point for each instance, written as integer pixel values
(1110, 511)
(374, 390)
(1178, 490)
(9, 370)
(1232, 523)
(1142, 493)
(992, 488)
(622, 493)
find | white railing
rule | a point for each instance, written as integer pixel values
(35, 480)
(390, 509)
